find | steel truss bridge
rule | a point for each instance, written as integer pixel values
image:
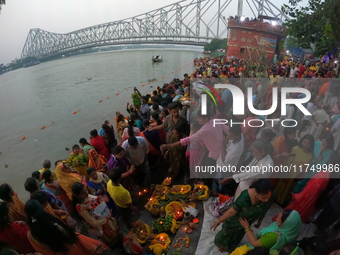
(188, 22)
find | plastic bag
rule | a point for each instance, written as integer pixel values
(193, 211)
(217, 208)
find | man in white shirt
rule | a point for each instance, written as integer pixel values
(261, 158)
(231, 153)
(137, 149)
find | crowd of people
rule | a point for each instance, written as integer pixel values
(75, 208)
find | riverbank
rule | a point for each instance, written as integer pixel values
(32, 98)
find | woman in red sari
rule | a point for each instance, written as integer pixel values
(304, 202)
(269, 96)
(14, 234)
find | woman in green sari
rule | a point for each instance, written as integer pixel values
(251, 205)
(285, 230)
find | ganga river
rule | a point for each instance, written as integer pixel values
(34, 97)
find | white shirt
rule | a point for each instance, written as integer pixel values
(336, 134)
(136, 156)
(293, 72)
(234, 151)
(311, 108)
(246, 179)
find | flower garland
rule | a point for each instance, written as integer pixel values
(179, 243)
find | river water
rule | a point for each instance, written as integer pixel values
(34, 97)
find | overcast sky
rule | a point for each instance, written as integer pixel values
(62, 16)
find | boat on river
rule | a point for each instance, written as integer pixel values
(157, 58)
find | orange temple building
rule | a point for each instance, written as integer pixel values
(246, 34)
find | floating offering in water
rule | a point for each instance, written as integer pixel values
(42, 127)
(79, 110)
(52, 121)
(74, 112)
(101, 100)
(117, 94)
(163, 77)
(107, 97)
(23, 138)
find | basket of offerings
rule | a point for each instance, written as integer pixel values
(160, 243)
(186, 101)
(200, 192)
(167, 181)
(181, 189)
(142, 231)
(153, 206)
(175, 209)
(161, 191)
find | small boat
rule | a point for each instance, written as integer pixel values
(157, 58)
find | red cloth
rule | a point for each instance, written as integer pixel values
(304, 202)
(16, 235)
(223, 198)
(84, 245)
(99, 144)
(301, 71)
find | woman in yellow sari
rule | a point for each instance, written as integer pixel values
(16, 207)
(97, 161)
(300, 156)
(77, 160)
(66, 178)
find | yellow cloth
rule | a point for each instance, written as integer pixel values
(43, 170)
(66, 180)
(241, 250)
(119, 194)
(284, 186)
(16, 209)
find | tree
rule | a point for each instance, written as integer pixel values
(216, 44)
(315, 25)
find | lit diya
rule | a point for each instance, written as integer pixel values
(188, 230)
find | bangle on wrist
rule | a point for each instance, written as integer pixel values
(247, 229)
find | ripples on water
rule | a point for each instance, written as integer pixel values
(35, 96)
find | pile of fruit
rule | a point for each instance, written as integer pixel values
(163, 224)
